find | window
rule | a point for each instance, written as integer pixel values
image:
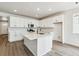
(76, 23)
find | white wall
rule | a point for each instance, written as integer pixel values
(69, 36)
(52, 22)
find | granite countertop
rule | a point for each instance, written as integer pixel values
(32, 36)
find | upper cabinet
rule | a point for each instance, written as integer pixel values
(21, 22)
(49, 22)
(46, 22)
(16, 22)
(59, 18)
(12, 22)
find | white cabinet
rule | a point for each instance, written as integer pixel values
(11, 37)
(22, 22)
(16, 22)
(18, 26)
(12, 22)
(49, 22)
(58, 18)
(40, 45)
(46, 22)
(25, 22)
(15, 35)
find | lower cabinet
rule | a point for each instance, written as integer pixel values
(39, 46)
(31, 45)
(14, 36)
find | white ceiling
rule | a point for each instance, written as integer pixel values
(30, 8)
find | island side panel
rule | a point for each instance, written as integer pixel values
(44, 45)
(31, 45)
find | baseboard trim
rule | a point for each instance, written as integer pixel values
(5, 34)
(72, 45)
(57, 41)
(67, 44)
(15, 41)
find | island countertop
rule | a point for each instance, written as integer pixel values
(38, 44)
(33, 36)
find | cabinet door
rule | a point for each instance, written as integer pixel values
(12, 36)
(15, 35)
(18, 36)
(20, 22)
(16, 22)
(12, 22)
(23, 22)
(44, 46)
(26, 23)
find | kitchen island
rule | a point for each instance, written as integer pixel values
(38, 44)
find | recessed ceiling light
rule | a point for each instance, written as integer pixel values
(50, 9)
(38, 9)
(15, 10)
(36, 15)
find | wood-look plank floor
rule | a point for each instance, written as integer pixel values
(18, 49)
(61, 49)
(12, 49)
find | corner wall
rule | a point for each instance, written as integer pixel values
(70, 37)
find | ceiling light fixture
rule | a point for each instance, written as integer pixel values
(36, 15)
(15, 10)
(38, 9)
(50, 9)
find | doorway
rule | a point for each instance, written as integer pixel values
(3, 28)
(3, 25)
(58, 32)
